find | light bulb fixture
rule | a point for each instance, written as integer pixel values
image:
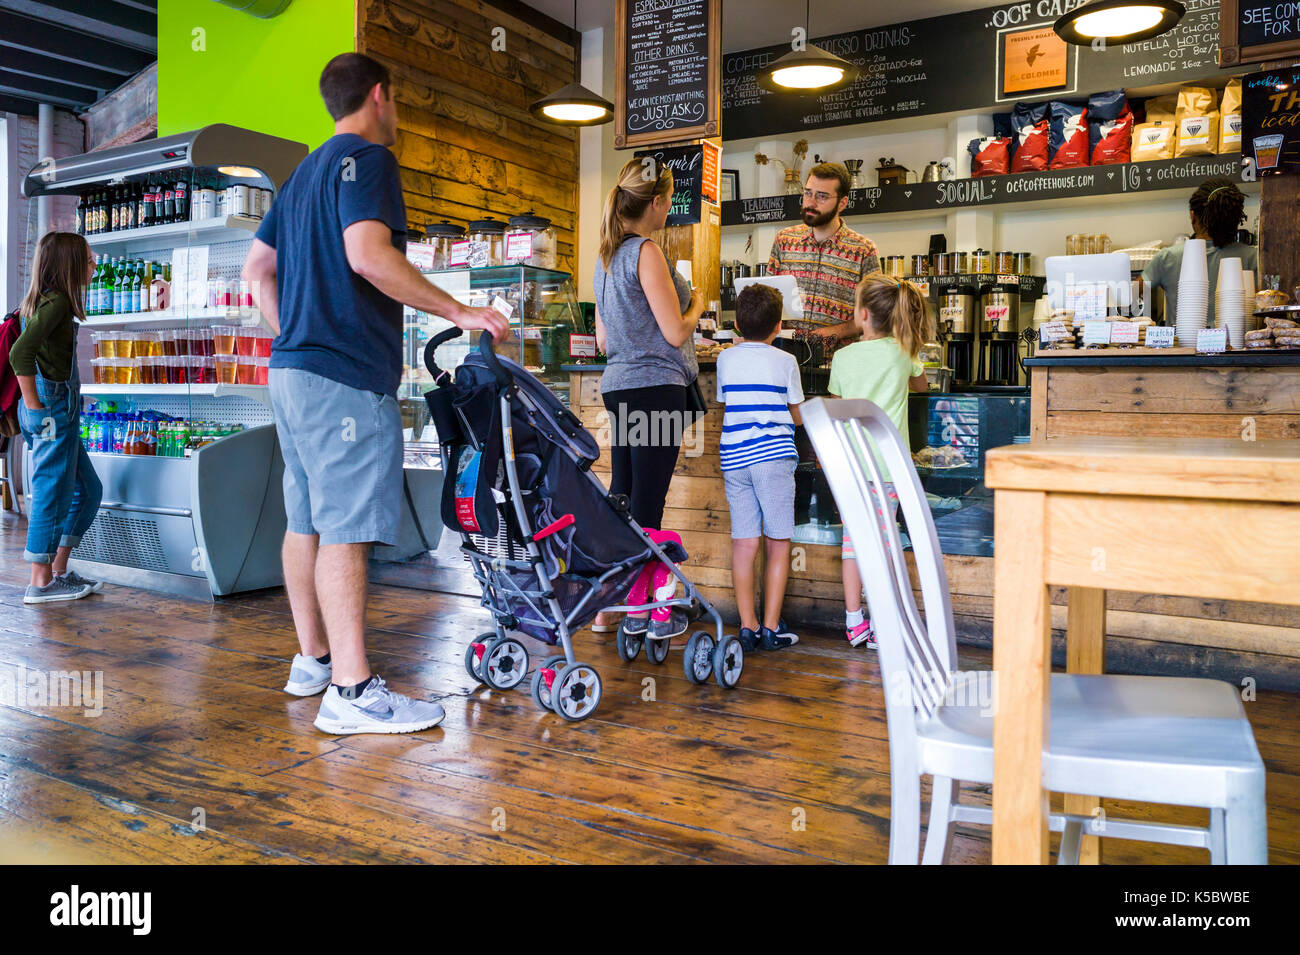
(1118, 21)
(810, 70)
(574, 105)
(239, 172)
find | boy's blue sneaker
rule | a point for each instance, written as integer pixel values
(777, 639)
(750, 640)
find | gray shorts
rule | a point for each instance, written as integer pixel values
(761, 498)
(342, 458)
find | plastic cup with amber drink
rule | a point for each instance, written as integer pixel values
(97, 369)
(227, 369)
(133, 374)
(224, 338)
(247, 372)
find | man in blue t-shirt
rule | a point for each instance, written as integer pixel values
(328, 269)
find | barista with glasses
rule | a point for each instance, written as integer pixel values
(826, 257)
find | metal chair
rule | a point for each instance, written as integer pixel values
(1150, 739)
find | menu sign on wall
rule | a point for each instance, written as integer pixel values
(1258, 30)
(1270, 120)
(687, 165)
(668, 54)
(940, 65)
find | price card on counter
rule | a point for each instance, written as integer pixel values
(1211, 341)
(1096, 333)
(1088, 301)
(582, 346)
(1052, 332)
(1124, 333)
(504, 308)
(1160, 336)
(420, 255)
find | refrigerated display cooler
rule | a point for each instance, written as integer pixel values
(210, 523)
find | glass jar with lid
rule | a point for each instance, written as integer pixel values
(442, 235)
(530, 241)
(486, 243)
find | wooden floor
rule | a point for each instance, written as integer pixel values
(790, 767)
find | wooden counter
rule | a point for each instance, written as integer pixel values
(1180, 395)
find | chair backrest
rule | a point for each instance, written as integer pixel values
(917, 657)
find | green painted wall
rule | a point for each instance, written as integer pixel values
(216, 65)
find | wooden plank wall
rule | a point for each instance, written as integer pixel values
(467, 145)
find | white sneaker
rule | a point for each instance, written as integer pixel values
(308, 676)
(377, 710)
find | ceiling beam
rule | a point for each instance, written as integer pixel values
(48, 67)
(14, 104)
(53, 40)
(25, 90)
(117, 23)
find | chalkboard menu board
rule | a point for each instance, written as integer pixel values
(1270, 120)
(687, 164)
(668, 54)
(1257, 30)
(942, 65)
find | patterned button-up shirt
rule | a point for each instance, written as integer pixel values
(828, 272)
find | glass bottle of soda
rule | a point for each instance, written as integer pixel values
(168, 204)
(181, 204)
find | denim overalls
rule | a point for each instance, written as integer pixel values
(65, 489)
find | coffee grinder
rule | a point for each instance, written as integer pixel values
(957, 331)
(999, 338)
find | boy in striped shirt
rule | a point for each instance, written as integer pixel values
(759, 385)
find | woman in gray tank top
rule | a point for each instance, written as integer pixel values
(645, 323)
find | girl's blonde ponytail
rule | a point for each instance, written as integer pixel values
(897, 308)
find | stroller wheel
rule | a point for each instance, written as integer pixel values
(697, 660)
(542, 692)
(627, 644)
(504, 664)
(474, 656)
(575, 692)
(728, 661)
(656, 651)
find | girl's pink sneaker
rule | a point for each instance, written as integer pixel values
(861, 634)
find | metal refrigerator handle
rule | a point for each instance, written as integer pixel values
(144, 509)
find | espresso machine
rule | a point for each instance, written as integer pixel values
(999, 311)
(957, 331)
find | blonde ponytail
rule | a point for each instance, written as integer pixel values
(897, 308)
(639, 182)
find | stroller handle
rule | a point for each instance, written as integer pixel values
(498, 370)
(444, 336)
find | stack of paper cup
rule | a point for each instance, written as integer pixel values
(1248, 298)
(1229, 305)
(1193, 293)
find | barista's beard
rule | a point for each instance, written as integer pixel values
(814, 219)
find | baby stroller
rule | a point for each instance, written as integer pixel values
(549, 546)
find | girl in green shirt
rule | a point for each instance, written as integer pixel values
(882, 367)
(65, 489)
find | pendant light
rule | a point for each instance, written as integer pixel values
(574, 105)
(810, 70)
(1118, 21)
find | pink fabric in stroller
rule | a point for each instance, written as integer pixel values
(655, 577)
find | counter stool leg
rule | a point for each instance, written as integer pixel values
(1085, 649)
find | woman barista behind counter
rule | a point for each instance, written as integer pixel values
(1218, 208)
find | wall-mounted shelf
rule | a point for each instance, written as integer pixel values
(1117, 183)
(257, 392)
(125, 241)
(162, 319)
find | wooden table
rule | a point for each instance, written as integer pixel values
(1196, 517)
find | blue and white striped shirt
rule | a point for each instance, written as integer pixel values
(757, 383)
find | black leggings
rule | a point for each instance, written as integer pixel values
(644, 442)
